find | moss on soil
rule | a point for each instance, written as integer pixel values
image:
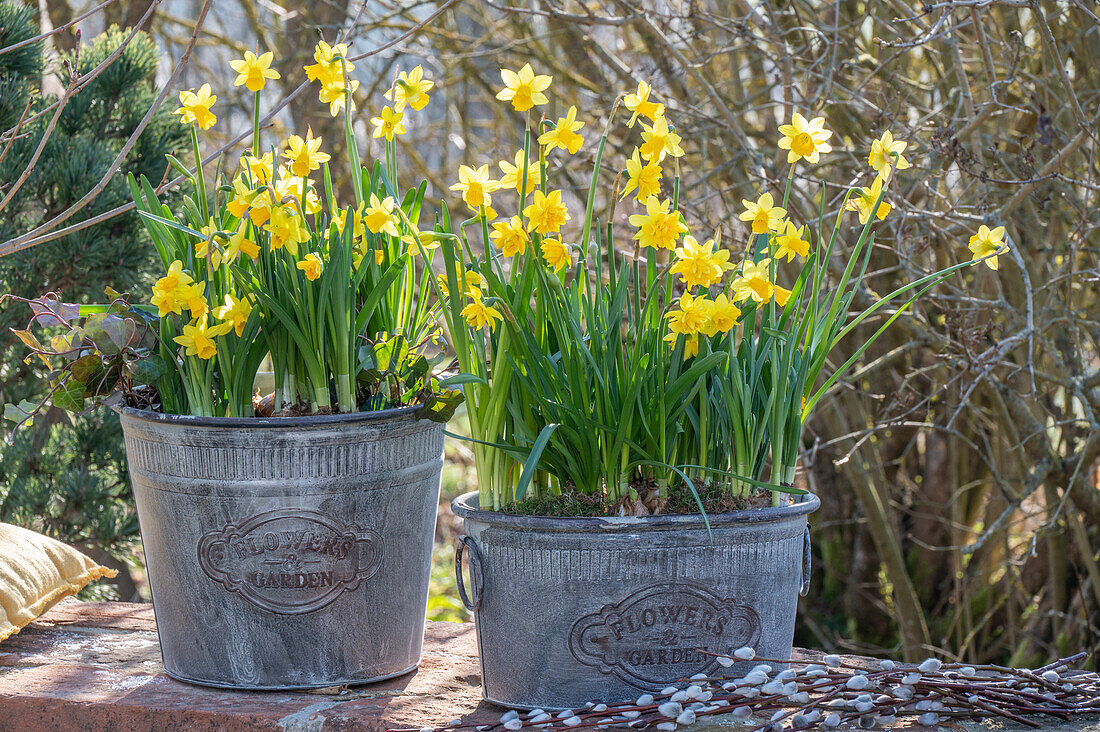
(571, 503)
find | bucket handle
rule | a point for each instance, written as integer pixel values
(805, 589)
(477, 580)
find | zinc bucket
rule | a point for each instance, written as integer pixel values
(287, 553)
(576, 610)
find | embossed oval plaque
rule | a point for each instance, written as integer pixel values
(290, 561)
(663, 633)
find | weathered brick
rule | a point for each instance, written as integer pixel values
(92, 667)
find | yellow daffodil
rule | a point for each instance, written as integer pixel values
(691, 343)
(416, 239)
(387, 124)
(863, 202)
(358, 253)
(208, 232)
(253, 71)
(292, 188)
(243, 195)
(475, 186)
(311, 265)
(513, 174)
(239, 243)
(411, 88)
(331, 64)
(564, 134)
(328, 62)
(235, 312)
(260, 169)
(642, 177)
(304, 156)
(381, 217)
(754, 282)
(660, 140)
(485, 212)
(172, 291)
(658, 227)
(211, 240)
(691, 347)
(260, 211)
(790, 243)
(986, 242)
(638, 103)
(473, 281)
(546, 213)
(524, 89)
(805, 140)
(510, 236)
(358, 229)
(196, 303)
(692, 316)
(198, 338)
(556, 254)
(333, 94)
(882, 154)
(286, 229)
(764, 214)
(478, 314)
(724, 314)
(698, 264)
(331, 70)
(195, 107)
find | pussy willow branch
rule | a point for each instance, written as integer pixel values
(830, 692)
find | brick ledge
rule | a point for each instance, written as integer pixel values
(96, 667)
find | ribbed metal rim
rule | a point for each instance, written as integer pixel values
(466, 506)
(313, 420)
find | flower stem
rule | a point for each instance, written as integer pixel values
(200, 178)
(256, 127)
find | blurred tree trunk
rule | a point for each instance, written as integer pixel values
(58, 13)
(135, 9)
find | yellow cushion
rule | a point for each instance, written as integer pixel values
(35, 573)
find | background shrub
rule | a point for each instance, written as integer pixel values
(62, 476)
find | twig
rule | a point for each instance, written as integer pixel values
(833, 692)
(58, 29)
(46, 134)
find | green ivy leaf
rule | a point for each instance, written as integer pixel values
(108, 332)
(441, 407)
(60, 343)
(391, 353)
(370, 377)
(149, 370)
(70, 396)
(21, 412)
(84, 367)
